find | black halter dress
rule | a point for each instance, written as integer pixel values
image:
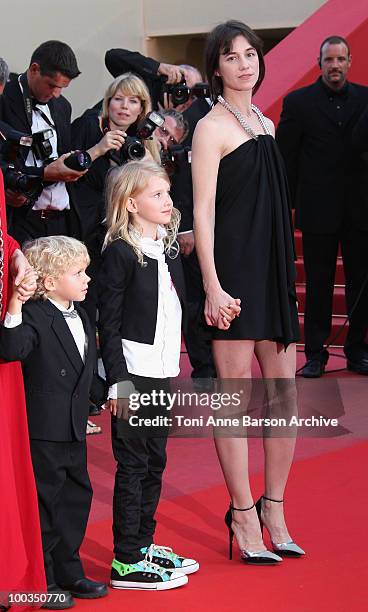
(254, 246)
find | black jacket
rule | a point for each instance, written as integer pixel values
(360, 146)
(127, 303)
(181, 182)
(12, 112)
(320, 161)
(118, 61)
(57, 382)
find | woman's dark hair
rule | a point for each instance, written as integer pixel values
(55, 56)
(219, 42)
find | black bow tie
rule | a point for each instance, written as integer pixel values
(73, 314)
(36, 102)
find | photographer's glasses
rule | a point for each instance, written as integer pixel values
(167, 136)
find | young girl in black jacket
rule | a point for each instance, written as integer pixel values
(140, 293)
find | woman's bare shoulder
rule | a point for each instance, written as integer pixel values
(271, 126)
(210, 124)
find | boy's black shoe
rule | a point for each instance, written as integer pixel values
(87, 589)
(58, 598)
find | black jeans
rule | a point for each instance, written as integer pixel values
(141, 460)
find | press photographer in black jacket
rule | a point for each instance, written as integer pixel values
(155, 74)
(31, 103)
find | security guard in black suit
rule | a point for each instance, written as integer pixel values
(314, 135)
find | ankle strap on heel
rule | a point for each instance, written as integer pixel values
(241, 509)
(277, 501)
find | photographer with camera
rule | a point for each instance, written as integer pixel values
(33, 104)
(169, 85)
(126, 110)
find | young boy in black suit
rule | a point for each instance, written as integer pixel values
(52, 337)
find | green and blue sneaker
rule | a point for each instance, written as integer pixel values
(166, 558)
(144, 575)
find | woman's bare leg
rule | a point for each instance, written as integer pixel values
(276, 364)
(233, 359)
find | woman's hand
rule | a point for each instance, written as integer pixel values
(27, 286)
(220, 308)
(114, 139)
(19, 265)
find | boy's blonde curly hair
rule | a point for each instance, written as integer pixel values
(53, 256)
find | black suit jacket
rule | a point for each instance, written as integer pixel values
(320, 161)
(12, 112)
(360, 145)
(57, 382)
(127, 303)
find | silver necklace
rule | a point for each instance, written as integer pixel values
(243, 122)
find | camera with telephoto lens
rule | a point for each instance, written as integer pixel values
(79, 160)
(133, 147)
(12, 164)
(180, 92)
(174, 157)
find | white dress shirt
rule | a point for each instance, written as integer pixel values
(160, 359)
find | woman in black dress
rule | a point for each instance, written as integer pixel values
(244, 241)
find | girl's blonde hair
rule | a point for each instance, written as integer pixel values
(131, 85)
(53, 256)
(126, 182)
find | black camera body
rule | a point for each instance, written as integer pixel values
(12, 165)
(174, 157)
(180, 92)
(133, 147)
(41, 145)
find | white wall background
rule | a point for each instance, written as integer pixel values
(91, 27)
(191, 16)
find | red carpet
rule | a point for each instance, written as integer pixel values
(326, 514)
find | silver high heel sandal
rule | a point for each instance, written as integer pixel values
(285, 549)
(263, 557)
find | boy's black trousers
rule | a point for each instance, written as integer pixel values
(141, 459)
(64, 500)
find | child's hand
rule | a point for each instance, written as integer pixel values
(27, 286)
(227, 314)
(118, 407)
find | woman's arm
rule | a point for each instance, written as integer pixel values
(206, 155)
(87, 136)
